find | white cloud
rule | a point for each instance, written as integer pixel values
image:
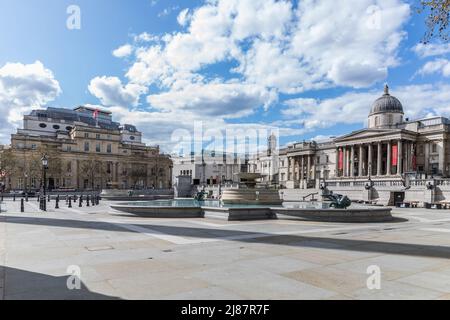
(269, 48)
(111, 92)
(441, 66)
(431, 49)
(145, 37)
(223, 100)
(183, 17)
(22, 88)
(305, 51)
(354, 107)
(123, 51)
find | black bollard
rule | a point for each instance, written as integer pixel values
(80, 201)
(87, 201)
(22, 206)
(48, 198)
(57, 202)
(70, 202)
(26, 197)
(14, 197)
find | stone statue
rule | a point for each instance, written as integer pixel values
(200, 196)
(338, 201)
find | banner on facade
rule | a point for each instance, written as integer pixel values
(341, 160)
(394, 155)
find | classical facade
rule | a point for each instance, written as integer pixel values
(86, 150)
(389, 151)
(209, 168)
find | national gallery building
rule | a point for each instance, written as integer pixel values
(394, 158)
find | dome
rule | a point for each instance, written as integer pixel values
(386, 103)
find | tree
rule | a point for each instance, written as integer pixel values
(438, 14)
(93, 167)
(8, 165)
(138, 172)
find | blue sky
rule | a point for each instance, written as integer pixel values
(307, 68)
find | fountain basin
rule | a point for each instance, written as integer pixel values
(188, 208)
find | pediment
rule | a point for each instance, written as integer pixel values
(371, 134)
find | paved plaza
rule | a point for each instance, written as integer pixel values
(119, 256)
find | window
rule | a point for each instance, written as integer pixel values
(318, 160)
(69, 128)
(69, 166)
(33, 146)
(109, 148)
(434, 147)
(69, 148)
(132, 138)
(86, 146)
(86, 135)
(56, 127)
(327, 159)
(108, 168)
(42, 125)
(98, 136)
(377, 121)
(98, 147)
(20, 183)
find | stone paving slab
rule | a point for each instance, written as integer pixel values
(213, 259)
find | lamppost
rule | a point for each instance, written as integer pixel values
(44, 172)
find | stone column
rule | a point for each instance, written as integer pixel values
(370, 160)
(352, 162)
(308, 169)
(442, 159)
(302, 173)
(389, 159)
(379, 158)
(360, 165)
(337, 163)
(426, 147)
(292, 166)
(400, 158)
(344, 162)
(408, 157)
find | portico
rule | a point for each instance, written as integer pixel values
(375, 153)
(301, 166)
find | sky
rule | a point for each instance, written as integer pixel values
(306, 69)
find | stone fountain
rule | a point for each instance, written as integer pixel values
(250, 192)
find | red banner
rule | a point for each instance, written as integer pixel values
(394, 155)
(341, 160)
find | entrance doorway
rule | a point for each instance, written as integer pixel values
(399, 197)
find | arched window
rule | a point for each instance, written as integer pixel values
(377, 121)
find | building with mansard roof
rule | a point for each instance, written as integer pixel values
(86, 150)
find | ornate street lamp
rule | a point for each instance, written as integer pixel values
(44, 160)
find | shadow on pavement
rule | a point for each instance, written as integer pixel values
(26, 285)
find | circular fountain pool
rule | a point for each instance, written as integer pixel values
(190, 208)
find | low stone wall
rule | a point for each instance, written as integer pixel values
(337, 215)
(161, 212)
(232, 214)
(251, 196)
